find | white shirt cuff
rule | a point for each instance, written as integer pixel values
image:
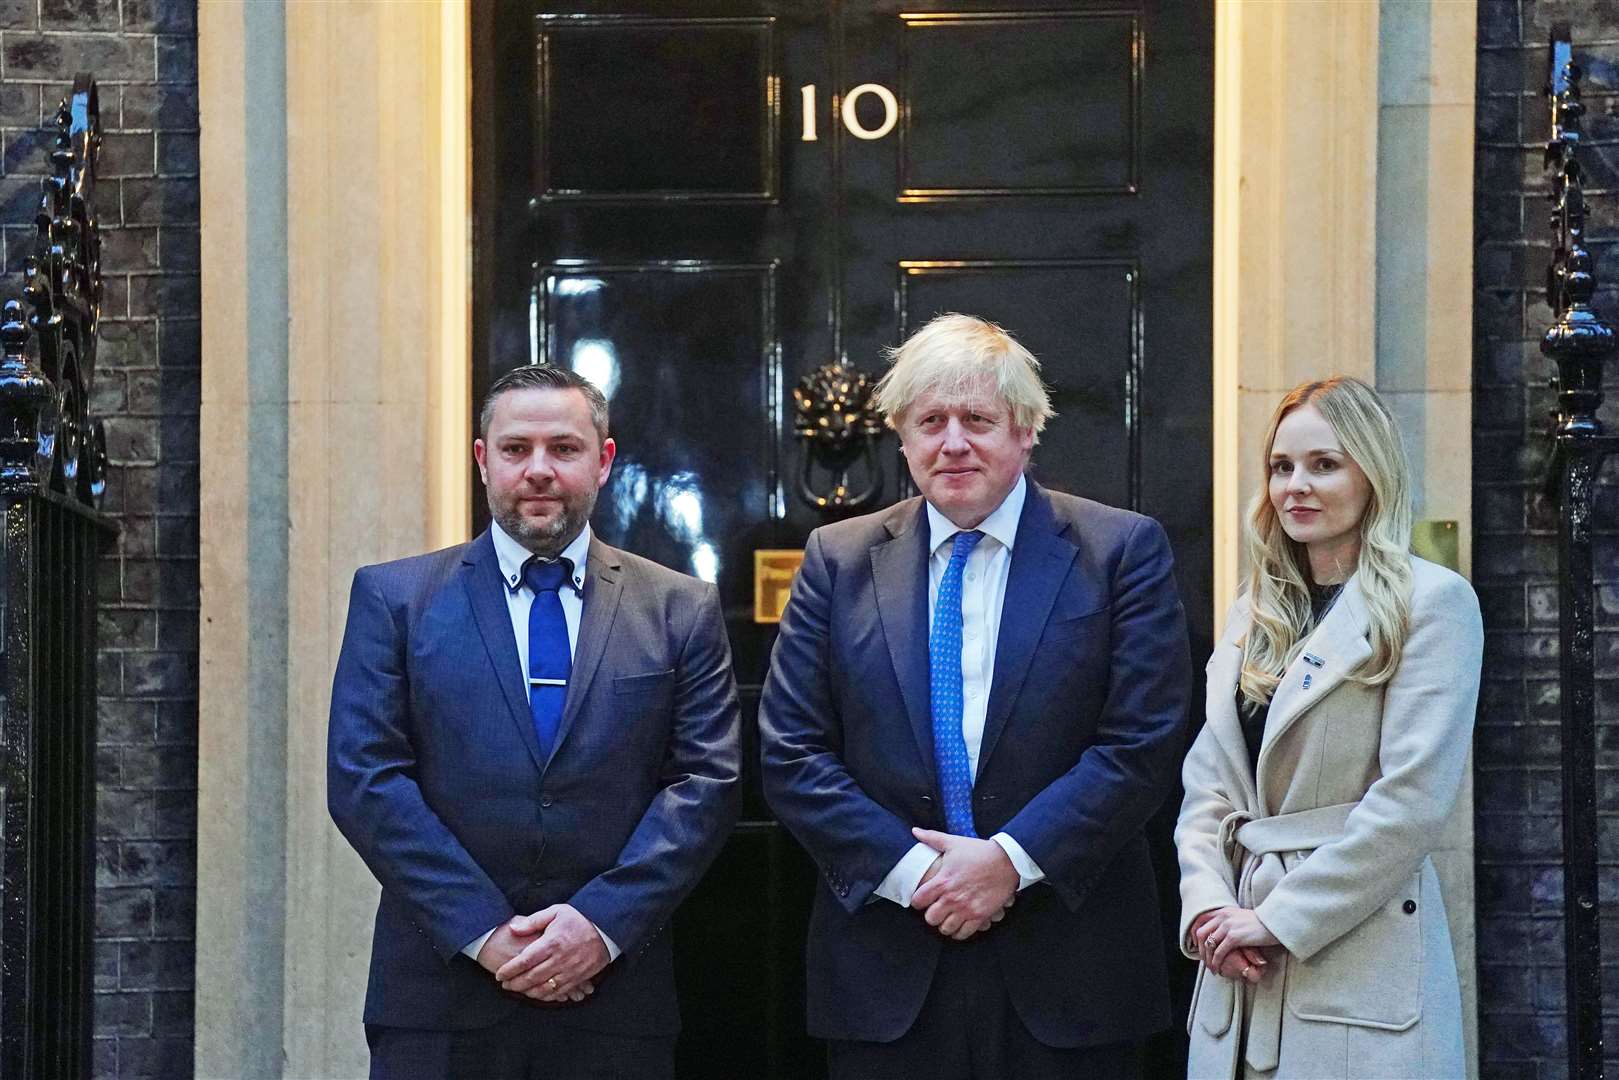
(1028, 871)
(906, 877)
(613, 951)
(476, 945)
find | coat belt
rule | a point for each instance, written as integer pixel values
(1255, 846)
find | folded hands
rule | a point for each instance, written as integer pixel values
(553, 955)
(1231, 941)
(968, 888)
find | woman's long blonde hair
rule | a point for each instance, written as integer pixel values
(1277, 589)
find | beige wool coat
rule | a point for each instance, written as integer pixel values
(1329, 844)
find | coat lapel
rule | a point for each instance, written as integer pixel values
(486, 592)
(603, 587)
(1220, 709)
(1339, 645)
(1041, 556)
(899, 570)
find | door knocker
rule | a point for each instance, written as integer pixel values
(836, 417)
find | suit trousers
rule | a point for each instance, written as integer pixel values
(520, 1046)
(969, 1030)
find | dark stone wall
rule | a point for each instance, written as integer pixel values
(144, 54)
(1518, 798)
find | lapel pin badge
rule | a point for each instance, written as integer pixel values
(1313, 660)
(1307, 680)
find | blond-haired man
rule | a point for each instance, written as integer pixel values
(976, 701)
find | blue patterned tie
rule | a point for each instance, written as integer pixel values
(944, 663)
(550, 659)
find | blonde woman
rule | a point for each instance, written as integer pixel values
(1340, 710)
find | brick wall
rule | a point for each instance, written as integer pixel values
(144, 54)
(1520, 894)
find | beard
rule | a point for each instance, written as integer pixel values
(545, 539)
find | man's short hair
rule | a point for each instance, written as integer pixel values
(950, 357)
(544, 377)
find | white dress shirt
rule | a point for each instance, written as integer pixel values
(983, 594)
(519, 598)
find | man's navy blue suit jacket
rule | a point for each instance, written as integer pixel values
(1084, 733)
(436, 777)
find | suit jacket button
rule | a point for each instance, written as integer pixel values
(1410, 907)
(545, 801)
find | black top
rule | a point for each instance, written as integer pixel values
(1253, 717)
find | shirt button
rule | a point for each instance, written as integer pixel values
(972, 576)
(546, 801)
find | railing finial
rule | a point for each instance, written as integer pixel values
(1579, 340)
(47, 436)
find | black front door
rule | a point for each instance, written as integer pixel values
(699, 204)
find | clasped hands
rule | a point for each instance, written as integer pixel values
(1229, 941)
(552, 955)
(968, 887)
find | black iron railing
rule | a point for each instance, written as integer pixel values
(1581, 343)
(52, 473)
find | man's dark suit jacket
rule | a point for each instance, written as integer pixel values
(435, 776)
(1083, 735)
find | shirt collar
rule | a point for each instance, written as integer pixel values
(513, 555)
(1001, 524)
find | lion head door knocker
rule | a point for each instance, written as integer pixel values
(836, 417)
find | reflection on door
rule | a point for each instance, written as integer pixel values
(649, 211)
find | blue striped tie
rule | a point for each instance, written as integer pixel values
(944, 663)
(550, 658)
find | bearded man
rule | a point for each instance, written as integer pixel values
(534, 745)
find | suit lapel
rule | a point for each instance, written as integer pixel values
(603, 587)
(486, 592)
(1339, 646)
(899, 570)
(1041, 556)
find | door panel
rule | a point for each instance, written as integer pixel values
(694, 116)
(648, 210)
(1049, 109)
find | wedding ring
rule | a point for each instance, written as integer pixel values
(1246, 968)
(552, 983)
